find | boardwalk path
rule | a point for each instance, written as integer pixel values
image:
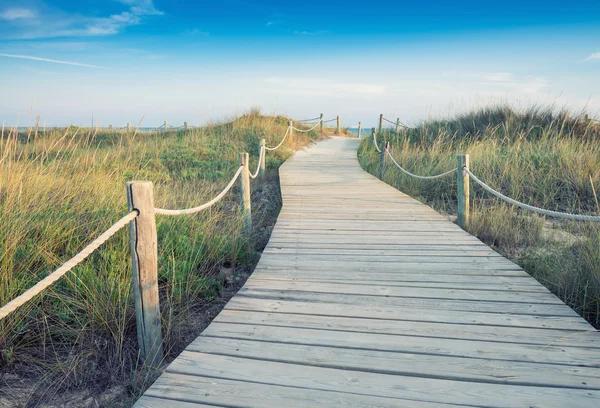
(365, 297)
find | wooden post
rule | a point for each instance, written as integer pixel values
(109, 127)
(128, 127)
(262, 158)
(245, 192)
(384, 146)
(359, 128)
(380, 124)
(463, 190)
(290, 124)
(397, 133)
(337, 129)
(144, 256)
(372, 141)
(165, 126)
(185, 126)
(322, 118)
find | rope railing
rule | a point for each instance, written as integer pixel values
(140, 195)
(287, 132)
(447, 173)
(260, 162)
(394, 123)
(306, 130)
(308, 120)
(193, 210)
(66, 267)
(464, 174)
(557, 214)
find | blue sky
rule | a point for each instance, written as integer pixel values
(119, 61)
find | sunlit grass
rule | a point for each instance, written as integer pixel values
(61, 188)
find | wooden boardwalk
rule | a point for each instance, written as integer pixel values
(365, 297)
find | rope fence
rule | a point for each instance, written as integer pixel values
(193, 210)
(464, 174)
(66, 267)
(143, 236)
(556, 214)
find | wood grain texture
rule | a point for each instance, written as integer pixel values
(365, 297)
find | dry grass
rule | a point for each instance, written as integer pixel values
(62, 188)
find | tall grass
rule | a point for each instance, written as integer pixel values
(62, 188)
(538, 156)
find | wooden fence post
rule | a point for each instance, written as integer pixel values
(373, 134)
(290, 124)
(380, 124)
(128, 127)
(359, 128)
(337, 129)
(384, 146)
(165, 126)
(109, 127)
(322, 118)
(397, 133)
(144, 256)
(463, 190)
(245, 192)
(263, 152)
(185, 126)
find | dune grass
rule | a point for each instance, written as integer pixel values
(62, 188)
(538, 156)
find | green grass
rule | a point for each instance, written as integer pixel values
(61, 189)
(538, 156)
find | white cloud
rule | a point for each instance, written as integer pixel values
(17, 13)
(310, 32)
(58, 23)
(29, 57)
(594, 56)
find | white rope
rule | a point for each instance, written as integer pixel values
(260, 156)
(66, 267)
(399, 123)
(282, 140)
(307, 130)
(330, 120)
(417, 176)
(347, 125)
(375, 142)
(194, 210)
(557, 214)
(309, 120)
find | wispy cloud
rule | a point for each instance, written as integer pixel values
(17, 13)
(47, 22)
(594, 56)
(310, 32)
(29, 57)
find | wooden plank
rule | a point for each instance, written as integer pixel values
(399, 291)
(444, 367)
(257, 394)
(532, 309)
(551, 354)
(377, 385)
(543, 337)
(567, 323)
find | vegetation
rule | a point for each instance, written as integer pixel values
(61, 188)
(540, 157)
